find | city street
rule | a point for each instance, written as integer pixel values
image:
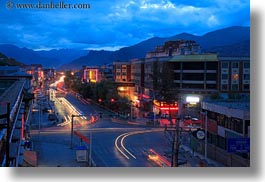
(53, 139)
(113, 142)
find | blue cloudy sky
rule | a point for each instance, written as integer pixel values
(116, 23)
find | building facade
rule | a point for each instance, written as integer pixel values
(226, 121)
(234, 74)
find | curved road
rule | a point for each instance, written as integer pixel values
(110, 141)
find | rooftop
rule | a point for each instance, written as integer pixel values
(194, 58)
(240, 105)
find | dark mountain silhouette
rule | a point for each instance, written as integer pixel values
(5, 61)
(52, 58)
(231, 41)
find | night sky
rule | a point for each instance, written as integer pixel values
(111, 25)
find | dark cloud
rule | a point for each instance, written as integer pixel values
(116, 23)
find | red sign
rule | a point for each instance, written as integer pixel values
(85, 139)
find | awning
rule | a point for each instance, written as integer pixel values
(30, 158)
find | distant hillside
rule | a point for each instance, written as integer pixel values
(5, 61)
(52, 58)
(229, 41)
(238, 49)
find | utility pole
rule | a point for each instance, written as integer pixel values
(72, 132)
(176, 145)
(205, 140)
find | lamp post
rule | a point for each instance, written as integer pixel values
(206, 131)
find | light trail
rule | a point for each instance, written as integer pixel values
(124, 135)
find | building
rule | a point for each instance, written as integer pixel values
(106, 72)
(123, 79)
(179, 69)
(91, 74)
(15, 110)
(226, 120)
(137, 75)
(37, 75)
(49, 74)
(234, 74)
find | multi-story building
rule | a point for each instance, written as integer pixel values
(123, 80)
(178, 67)
(106, 72)
(226, 121)
(122, 71)
(37, 75)
(137, 72)
(91, 74)
(234, 74)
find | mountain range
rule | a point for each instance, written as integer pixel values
(52, 58)
(231, 41)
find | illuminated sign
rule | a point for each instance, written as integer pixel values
(192, 99)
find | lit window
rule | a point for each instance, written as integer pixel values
(235, 77)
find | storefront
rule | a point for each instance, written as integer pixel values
(163, 108)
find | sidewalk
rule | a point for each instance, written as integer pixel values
(195, 159)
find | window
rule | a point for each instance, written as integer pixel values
(234, 87)
(246, 76)
(224, 76)
(246, 87)
(220, 120)
(221, 142)
(246, 65)
(225, 87)
(236, 125)
(235, 65)
(211, 76)
(211, 138)
(235, 77)
(211, 86)
(225, 65)
(177, 76)
(193, 76)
